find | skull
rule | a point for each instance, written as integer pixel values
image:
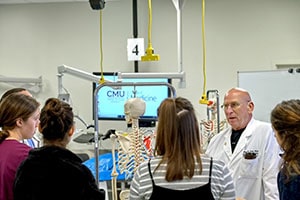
(134, 108)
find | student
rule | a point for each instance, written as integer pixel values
(52, 171)
(248, 147)
(19, 118)
(179, 170)
(34, 141)
(285, 119)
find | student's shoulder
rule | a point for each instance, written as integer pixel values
(262, 124)
(216, 163)
(17, 148)
(154, 162)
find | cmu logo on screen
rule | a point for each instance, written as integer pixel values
(115, 93)
(121, 94)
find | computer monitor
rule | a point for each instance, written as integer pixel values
(111, 101)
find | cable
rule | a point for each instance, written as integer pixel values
(203, 99)
(150, 56)
(204, 46)
(149, 22)
(101, 49)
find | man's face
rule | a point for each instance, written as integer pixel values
(238, 110)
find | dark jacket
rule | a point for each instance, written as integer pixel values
(51, 172)
(288, 190)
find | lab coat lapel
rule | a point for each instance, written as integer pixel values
(227, 145)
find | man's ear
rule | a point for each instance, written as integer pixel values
(251, 106)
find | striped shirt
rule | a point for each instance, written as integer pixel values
(221, 181)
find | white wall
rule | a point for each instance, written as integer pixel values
(240, 36)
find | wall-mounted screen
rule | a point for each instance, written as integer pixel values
(111, 101)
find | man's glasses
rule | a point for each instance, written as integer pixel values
(233, 105)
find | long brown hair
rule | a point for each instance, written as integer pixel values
(285, 119)
(178, 138)
(13, 107)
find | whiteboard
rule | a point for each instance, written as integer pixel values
(268, 88)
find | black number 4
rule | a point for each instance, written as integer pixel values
(135, 50)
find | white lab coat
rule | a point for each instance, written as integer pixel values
(254, 179)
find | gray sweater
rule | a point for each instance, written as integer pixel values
(221, 181)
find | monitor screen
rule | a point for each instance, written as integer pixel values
(111, 101)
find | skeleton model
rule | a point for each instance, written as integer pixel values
(211, 127)
(134, 147)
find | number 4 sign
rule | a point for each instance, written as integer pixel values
(135, 48)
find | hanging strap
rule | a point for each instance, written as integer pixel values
(210, 169)
(149, 168)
